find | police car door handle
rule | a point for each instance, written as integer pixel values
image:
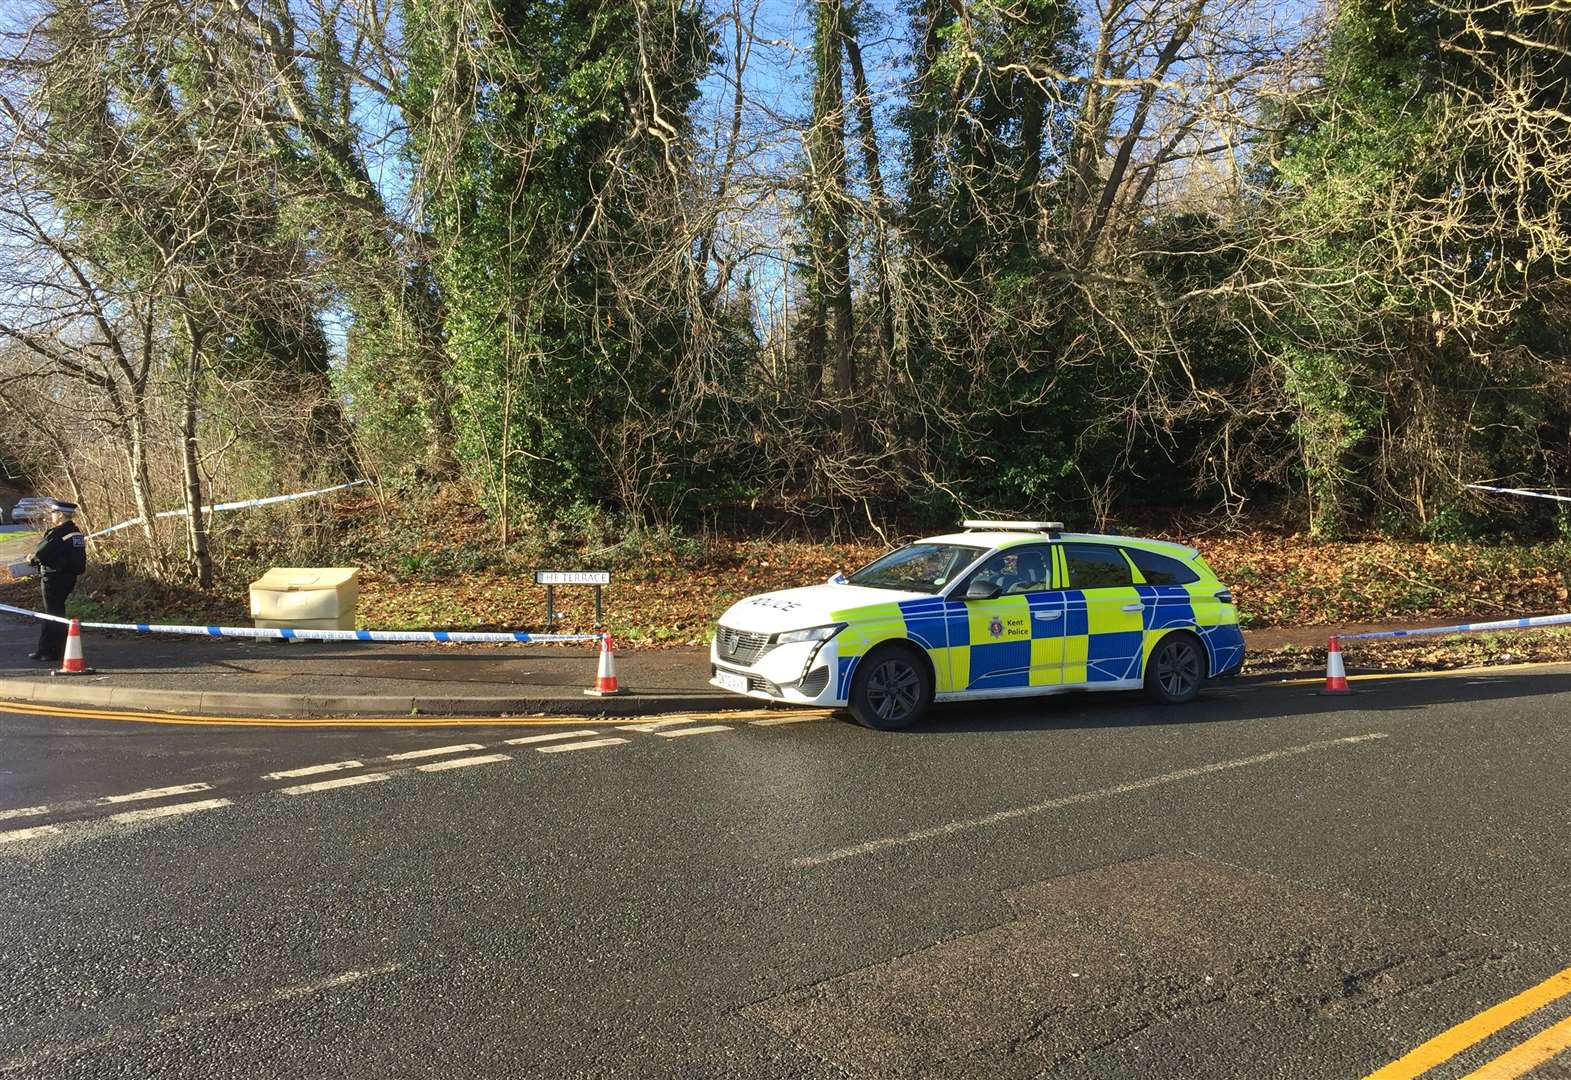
(1132, 607)
(1048, 616)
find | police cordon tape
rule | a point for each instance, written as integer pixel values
(606, 684)
(1520, 491)
(1336, 674)
(286, 634)
(244, 504)
(1463, 628)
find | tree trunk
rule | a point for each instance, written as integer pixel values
(196, 524)
(131, 416)
(141, 482)
(423, 309)
(875, 184)
(830, 240)
(1033, 111)
(936, 14)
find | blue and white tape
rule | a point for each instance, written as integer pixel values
(1462, 628)
(510, 637)
(244, 504)
(1521, 491)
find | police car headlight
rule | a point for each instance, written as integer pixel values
(816, 633)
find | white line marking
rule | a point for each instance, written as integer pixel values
(312, 770)
(408, 755)
(656, 725)
(28, 834)
(328, 785)
(775, 721)
(553, 737)
(1081, 797)
(26, 811)
(318, 986)
(114, 1036)
(590, 745)
(694, 731)
(168, 811)
(156, 793)
(459, 763)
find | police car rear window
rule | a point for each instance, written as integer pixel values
(1161, 570)
(1095, 566)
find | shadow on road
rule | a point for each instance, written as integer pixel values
(1231, 703)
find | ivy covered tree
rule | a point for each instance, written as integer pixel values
(1420, 276)
(556, 160)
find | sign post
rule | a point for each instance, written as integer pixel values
(552, 578)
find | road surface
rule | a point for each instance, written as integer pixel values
(1265, 883)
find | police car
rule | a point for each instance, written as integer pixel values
(1004, 609)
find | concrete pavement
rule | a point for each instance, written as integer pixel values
(1265, 883)
(236, 677)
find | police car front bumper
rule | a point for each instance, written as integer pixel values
(802, 673)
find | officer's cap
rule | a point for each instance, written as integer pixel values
(60, 506)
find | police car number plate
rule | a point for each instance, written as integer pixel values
(732, 682)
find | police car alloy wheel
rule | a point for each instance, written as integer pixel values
(891, 690)
(1177, 669)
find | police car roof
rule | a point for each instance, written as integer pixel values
(1011, 538)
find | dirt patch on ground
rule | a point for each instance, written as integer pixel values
(1095, 959)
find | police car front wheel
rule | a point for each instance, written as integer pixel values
(891, 690)
(1176, 669)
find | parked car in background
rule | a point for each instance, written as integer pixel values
(32, 510)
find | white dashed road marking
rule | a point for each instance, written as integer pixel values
(555, 742)
(328, 785)
(312, 770)
(655, 725)
(168, 811)
(711, 729)
(1001, 816)
(590, 745)
(26, 811)
(157, 793)
(459, 763)
(553, 737)
(434, 751)
(116, 1035)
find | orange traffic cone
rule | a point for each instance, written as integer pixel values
(1336, 674)
(73, 663)
(605, 679)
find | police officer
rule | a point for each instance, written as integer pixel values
(61, 557)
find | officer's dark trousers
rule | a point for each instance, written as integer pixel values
(51, 639)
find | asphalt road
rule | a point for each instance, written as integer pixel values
(1265, 883)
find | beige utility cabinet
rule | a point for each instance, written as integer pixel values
(306, 598)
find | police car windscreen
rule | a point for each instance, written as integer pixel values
(922, 568)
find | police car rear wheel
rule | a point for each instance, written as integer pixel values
(891, 690)
(1177, 669)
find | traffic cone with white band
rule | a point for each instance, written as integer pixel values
(605, 680)
(73, 663)
(1336, 674)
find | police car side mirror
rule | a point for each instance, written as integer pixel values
(982, 590)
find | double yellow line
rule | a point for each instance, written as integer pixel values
(1519, 1059)
(734, 716)
(28, 709)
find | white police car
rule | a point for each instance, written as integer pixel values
(1004, 609)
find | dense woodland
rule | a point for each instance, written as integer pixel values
(861, 261)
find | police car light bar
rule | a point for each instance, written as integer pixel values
(1015, 526)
